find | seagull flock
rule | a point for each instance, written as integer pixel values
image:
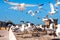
(22, 6)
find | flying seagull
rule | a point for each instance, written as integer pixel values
(57, 3)
(32, 12)
(19, 6)
(53, 11)
(40, 6)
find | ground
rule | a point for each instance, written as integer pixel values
(30, 37)
(4, 35)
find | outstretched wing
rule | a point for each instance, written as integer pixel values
(57, 1)
(52, 7)
(34, 4)
(12, 3)
(30, 5)
(14, 7)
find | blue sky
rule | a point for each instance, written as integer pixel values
(16, 15)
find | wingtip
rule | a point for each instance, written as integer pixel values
(49, 2)
(41, 4)
(5, 0)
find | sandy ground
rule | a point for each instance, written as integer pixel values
(30, 37)
(4, 35)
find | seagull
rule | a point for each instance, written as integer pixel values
(11, 35)
(45, 18)
(20, 6)
(33, 12)
(57, 3)
(40, 7)
(58, 31)
(30, 12)
(51, 19)
(53, 11)
(22, 28)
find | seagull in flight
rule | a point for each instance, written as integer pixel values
(19, 6)
(36, 11)
(32, 12)
(53, 11)
(57, 3)
(40, 6)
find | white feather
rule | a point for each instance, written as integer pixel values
(15, 8)
(58, 30)
(11, 35)
(52, 9)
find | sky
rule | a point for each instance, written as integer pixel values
(16, 16)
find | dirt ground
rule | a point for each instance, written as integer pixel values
(30, 37)
(4, 35)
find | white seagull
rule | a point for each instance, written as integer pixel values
(33, 12)
(40, 7)
(57, 3)
(58, 31)
(22, 28)
(11, 35)
(53, 11)
(19, 6)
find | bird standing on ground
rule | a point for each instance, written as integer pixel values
(58, 30)
(11, 35)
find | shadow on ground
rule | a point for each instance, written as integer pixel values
(55, 39)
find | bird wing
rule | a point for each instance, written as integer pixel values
(52, 7)
(30, 11)
(12, 3)
(34, 4)
(32, 14)
(14, 7)
(29, 5)
(57, 1)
